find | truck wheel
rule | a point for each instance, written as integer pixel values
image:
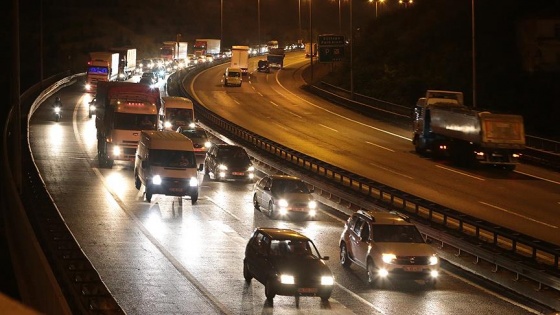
(137, 182)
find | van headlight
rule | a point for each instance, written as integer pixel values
(251, 169)
(156, 180)
(167, 124)
(222, 167)
(193, 182)
(327, 280)
(283, 203)
(116, 150)
(287, 279)
(312, 204)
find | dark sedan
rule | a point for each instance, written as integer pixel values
(228, 162)
(286, 262)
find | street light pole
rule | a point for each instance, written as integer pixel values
(259, 22)
(299, 14)
(339, 17)
(473, 58)
(351, 53)
(221, 21)
(311, 38)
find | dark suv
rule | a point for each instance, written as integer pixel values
(388, 246)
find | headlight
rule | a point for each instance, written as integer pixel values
(327, 280)
(57, 110)
(312, 204)
(167, 124)
(88, 87)
(283, 203)
(116, 150)
(207, 144)
(286, 279)
(388, 258)
(156, 180)
(251, 169)
(433, 260)
(92, 108)
(222, 167)
(192, 125)
(193, 182)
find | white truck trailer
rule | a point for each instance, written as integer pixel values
(240, 58)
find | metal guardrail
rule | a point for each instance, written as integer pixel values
(53, 274)
(521, 254)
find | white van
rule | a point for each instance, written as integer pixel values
(232, 77)
(177, 111)
(166, 164)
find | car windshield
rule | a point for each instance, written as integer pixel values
(397, 234)
(294, 248)
(289, 186)
(172, 158)
(128, 121)
(195, 135)
(233, 153)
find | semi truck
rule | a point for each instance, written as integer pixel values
(172, 50)
(102, 66)
(204, 46)
(240, 58)
(127, 62)
(444, 127)
(275, 58)
(123, 109)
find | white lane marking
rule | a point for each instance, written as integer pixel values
(538, 177)
(496, 295)
(455, 171)
(260, 94)
(338, 115)
(294, 114)
(328, 127)
(518, 215)
(389, 170)
(380, 146)
(236, 101)
(271, 102)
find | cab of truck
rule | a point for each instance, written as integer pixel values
(233, 76)
(166, 164)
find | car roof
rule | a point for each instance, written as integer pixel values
(378, 217)
(282, 234)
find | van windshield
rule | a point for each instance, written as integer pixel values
(234, 74)
(172, 158)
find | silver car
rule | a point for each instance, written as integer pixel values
(284, 196)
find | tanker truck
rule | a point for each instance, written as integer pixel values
(445, 128)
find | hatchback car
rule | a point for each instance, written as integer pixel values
(284, 196)
(228, 162)
(198, 136)
(286, 262)
(387, 246)
(149, 78)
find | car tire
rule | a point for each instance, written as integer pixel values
(271, 213)
(344, 259)
(256, 203)
(137, 182)
(194, 198)
(325, 298)
(246, 273)
(148, 194)
(371, 272)
(269, 291)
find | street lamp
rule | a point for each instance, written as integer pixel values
(376, 2)
(299, 14)
(311, 38)
(473, 58)
(259, 24)
(221, 21)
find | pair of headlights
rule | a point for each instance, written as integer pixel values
(289, 279)
(156, 180)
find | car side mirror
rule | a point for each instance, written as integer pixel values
(325, 258)
(266, 188)
(200, 167)
(144, 164)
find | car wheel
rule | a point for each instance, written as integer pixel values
(206, 170)
(325, 298)
(148, 194)
(269, 290)
(344, 259)
(246, 273)
(256, 203)
(194, 198)
(371, 272)
(137, 182)
(271, 213)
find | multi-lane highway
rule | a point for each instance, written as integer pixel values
(163, 257)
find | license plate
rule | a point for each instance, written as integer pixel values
(307, 290)
(173, 189)
(299, 209)
(238, 173)
(412, 268)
